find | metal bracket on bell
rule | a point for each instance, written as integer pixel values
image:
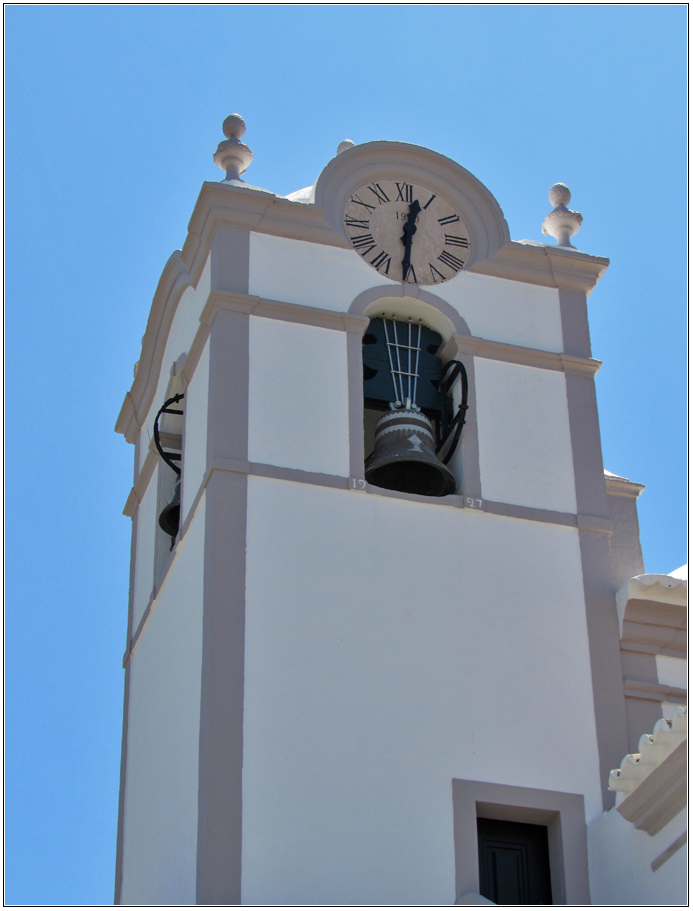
(451, 429)
(168, 457)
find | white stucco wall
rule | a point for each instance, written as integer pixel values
(525, 452)
(619, 862)
(314, 275)
(160, 816)
(195, 436)
(506, 311)
(672, 671)
(392, 646)
(144, 551)
(298, 397)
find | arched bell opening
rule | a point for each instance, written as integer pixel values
(414, 404)
(168, 439)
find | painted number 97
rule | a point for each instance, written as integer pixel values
(474, 502)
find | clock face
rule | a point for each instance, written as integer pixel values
(407, 232)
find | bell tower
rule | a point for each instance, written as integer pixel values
(372, 610)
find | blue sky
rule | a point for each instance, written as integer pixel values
(112, 116)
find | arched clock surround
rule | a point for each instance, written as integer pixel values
(382, 160)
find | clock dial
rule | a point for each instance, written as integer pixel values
(407, 232)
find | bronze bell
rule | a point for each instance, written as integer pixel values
(404, 456)
(169, 519)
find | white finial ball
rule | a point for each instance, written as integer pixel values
(559, 195)
(344, 145)
(233, 126)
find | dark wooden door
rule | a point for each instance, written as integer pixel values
(514, 862)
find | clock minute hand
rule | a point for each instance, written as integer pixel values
(408, 236)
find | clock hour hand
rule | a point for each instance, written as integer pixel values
(408, 236)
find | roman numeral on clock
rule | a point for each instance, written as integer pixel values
(404, 192)
(435, 272)
(359, 202)
(430, 201)
(410, 272)
(356, 222)
(380, 194)
(452, 262)
(448, 220)
(452, 240)
(382, 259)
(364, 243)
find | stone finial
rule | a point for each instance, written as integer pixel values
(562, 223)
(344, 145)
(232, 155)
(233, 127)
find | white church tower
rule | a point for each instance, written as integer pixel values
(373, 652)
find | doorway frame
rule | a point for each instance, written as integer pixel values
(563, 814)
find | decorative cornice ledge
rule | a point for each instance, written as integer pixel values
(271, 309)
(298, 475)
(652, 783)
(265, 213)
(616, 486)
(544, 264)
(172, 284)
(654, 692)
(139, 399)
(652, 610)
(660, 796)
(516, 354)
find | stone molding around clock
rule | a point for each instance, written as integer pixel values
(382, 160)
(526, 261)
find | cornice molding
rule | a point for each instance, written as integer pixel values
(667, 636)
(497, 255)
(173, 283)
(138, 400)
(651, 783)
(654, 692)
(660, 796)
(299, 476)
(516, 354)
(622, 487)
(257, 210)
(544, 264)
(290, 313)
(652, 611)
(675, 846)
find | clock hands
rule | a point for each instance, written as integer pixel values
(408, 236)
